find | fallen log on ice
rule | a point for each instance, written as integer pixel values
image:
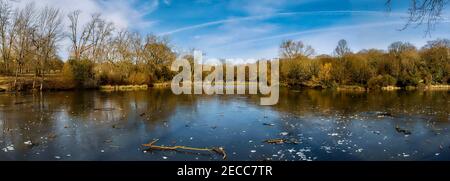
(217, 150)
(282, 141)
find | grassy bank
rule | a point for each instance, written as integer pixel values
(57, 83)
(395, 88)
(29, 83)
(123, 87)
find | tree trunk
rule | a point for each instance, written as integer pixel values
(42, 81)
(15, 79)
(34, 80)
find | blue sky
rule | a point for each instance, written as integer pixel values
(255, 28)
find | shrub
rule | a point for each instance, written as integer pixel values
(67, 73)
(83, 73)
(325, 77)
(381, 81)
(138, 78)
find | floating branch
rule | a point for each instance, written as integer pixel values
(218, 150)
(281, 141)
(401, 130)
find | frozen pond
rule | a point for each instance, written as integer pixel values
(313, 125)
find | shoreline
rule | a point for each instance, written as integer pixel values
(59, 84)
(119, 88)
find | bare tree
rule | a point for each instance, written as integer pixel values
(137, 47)
(428, 12)
(158, 50)
(23, 28)
(101, 31)
(5, 39)
(79, 42)
(122, 45)
(438, 43)
(399, 47)
(91, 42)
(46, 37)
(342, 48)
(158, 55)
(291, 49)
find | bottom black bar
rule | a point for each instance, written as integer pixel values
(225, 169)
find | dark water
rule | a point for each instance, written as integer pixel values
(327, 125)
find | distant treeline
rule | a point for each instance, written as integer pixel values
(101, 54)
(401, 65)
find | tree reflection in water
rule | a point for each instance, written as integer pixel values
(328, 125)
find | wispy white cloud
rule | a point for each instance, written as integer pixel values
(167, 2)
(228, 32)
(257, 7)
(267, 16)
(321, 30)
(368, 37)
(360, 36)
(212, 23)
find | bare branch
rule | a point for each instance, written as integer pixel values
(424, 12)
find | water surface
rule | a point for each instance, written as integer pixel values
(326, 125)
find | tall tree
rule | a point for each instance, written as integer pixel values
(438, 43)
(79, 42)
(137, 47)
(291, 49)
(399, 47)
(5, 39)
(342, 48)
(101, 32)
(23, 28)
(47, 34)
(158, 56)
(91, 41)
